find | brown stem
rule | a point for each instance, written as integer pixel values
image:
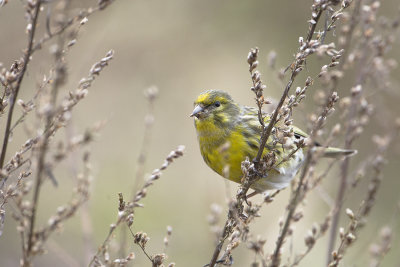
(141, 166)
(58, 81)
(275, 258)
(14, 95)
(264, 137)
(141, 246)
(225, 233)
(313, 26)
(36, 192)
(292, 207)
(345, 164)
(267, 131)
(64, 27)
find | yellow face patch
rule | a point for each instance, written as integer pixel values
(203, 99)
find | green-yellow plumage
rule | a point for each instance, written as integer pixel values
(228, 133)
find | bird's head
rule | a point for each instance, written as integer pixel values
(216, 106)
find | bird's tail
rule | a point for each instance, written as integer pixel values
(333, 152)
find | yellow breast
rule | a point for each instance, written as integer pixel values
(223, 150)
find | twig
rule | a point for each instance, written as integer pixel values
(296, 68)
(151, 94)
(313, 25)
(275, 258)
(267, 131)
(14, 95)
(315, 234)
(225, 233)
(258, 87)
(141, 246)
(345, 164)
(69, 23)
(59, 79)
(126, 211)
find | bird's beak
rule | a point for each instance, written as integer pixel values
(196, 111)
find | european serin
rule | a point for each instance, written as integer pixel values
(229, 132)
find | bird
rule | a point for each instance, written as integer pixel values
(228, 133)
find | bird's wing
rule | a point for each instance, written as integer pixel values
(253, 113)
(299, 133)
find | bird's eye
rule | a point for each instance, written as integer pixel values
(217, 104)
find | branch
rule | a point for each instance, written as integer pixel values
(345, 164)
(253, 172)
(59, 79)
(70, 22)
(229, 224)
(296, 68)
(126, 210)
(14, 95)
(275, 258)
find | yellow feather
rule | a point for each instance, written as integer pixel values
(202, 98)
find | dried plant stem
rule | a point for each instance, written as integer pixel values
(126, 210)
(348, 36)
(344, 169)
(151, 94)
(141, 246)
(275, 259)
(312, 238)
(85, 218)
(21, 75)
(44, 142)
(241, 195)
(314, 25)
(267, 131)
(295, 70)
(353, 23)
(310, 159)
(107, 239)
(225, 233)
(36, 197)
(68, 24)
(44, 83)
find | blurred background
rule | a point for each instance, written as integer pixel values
(183, 47)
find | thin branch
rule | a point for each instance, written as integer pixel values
(151, 94)
(30, 103)
(67, 24)
(141, 246)
(345, 164)
(126, 211)
(59, 79)
(14, 95)
(296, 68)
(313, 25)
(310, 159)
(241, 195)
(225, 233)
(292, 207)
